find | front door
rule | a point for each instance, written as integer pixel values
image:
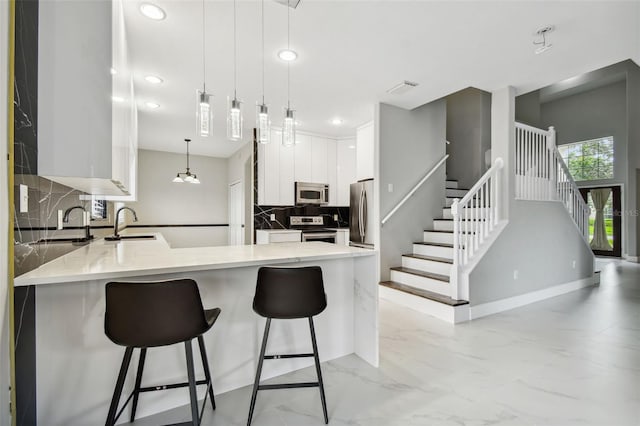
(611, 211)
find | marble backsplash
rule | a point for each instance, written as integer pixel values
(262, 216)
(33, 228)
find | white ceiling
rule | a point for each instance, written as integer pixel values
(351, 52)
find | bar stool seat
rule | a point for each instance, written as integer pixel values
(289, 293)
(142, 315)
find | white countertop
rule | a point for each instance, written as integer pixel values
(109, 259)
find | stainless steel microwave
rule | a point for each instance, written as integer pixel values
(312, 193)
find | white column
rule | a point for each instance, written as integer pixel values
(503, 103)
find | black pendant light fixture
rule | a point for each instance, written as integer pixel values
(186, 176)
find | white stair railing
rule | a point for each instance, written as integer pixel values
(542, 175)
(475, 217)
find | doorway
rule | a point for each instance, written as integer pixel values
(605, 238)
(236, 214)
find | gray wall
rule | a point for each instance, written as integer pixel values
(541, 242)
(410, 144)
(162, 202)
(469, 131)
(589, 115)
(633, 186)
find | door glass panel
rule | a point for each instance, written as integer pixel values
(608, 218)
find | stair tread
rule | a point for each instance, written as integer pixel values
(420, 273)
(424, 243)
(436, 297)
(432, 258)
(442, 218)
(448, 232)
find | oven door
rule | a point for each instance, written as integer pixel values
(327, 237)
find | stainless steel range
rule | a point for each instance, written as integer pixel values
(313, 228)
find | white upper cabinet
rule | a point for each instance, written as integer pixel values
(365, 154)
(83, 140)
(332, 171)
(346, 170)
(302, 161)
(312, 159)
(287, 175)
(319, 150)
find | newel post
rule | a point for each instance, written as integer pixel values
(456, 249)
(553, 163)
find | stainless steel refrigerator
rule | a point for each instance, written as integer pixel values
(361, 226)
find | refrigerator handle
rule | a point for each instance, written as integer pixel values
(360, 215)
(364, 215)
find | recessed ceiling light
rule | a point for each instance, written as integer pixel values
(152, 11)
(297, 123)
(153, 79)
(287, 55)
(337, 121)
(117, 99)
(152, 105)
(352, 147)
(113, 71)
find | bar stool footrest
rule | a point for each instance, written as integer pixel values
(172, 386)
(289, 385)
(288, 356)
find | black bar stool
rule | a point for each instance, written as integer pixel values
(151, 314)
(288, 293)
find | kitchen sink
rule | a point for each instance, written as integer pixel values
(131, 237)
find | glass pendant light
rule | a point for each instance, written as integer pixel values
(204, 111)
(263, 124)
(289, 124)
(234, 106)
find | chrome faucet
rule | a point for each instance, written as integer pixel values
(87, 227)
(116, 236)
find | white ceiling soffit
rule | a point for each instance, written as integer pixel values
(351, 52)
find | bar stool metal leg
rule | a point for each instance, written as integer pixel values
(113, 408)
(318, 371)
(195, 418)
(136, 389)
(207, 372)
(256, 383)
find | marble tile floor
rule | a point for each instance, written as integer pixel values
(570, 360)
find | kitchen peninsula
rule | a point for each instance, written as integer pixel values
(77, 365)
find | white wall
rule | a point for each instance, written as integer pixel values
(162, 202)
(410, 144)
(4, 218)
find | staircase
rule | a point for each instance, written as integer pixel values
(424, 281)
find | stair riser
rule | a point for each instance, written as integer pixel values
(435, 251)
(430, 307)
(443, 225)
(448, 202)
(457, 193)
(446, 212)
(421, 282)
(437, 237)
(427, 265)
(451, 184)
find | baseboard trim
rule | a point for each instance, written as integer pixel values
(490, 308)
(635, 259)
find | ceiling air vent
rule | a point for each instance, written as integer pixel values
(401, 88)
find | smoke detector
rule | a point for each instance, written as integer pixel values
(543, 46)
(402, 87)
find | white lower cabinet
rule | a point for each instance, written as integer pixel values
(268, 236)
(342, 237)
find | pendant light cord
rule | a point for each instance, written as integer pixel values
(204, 60)
(288, 48)
(262, 52)
(235, 53)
